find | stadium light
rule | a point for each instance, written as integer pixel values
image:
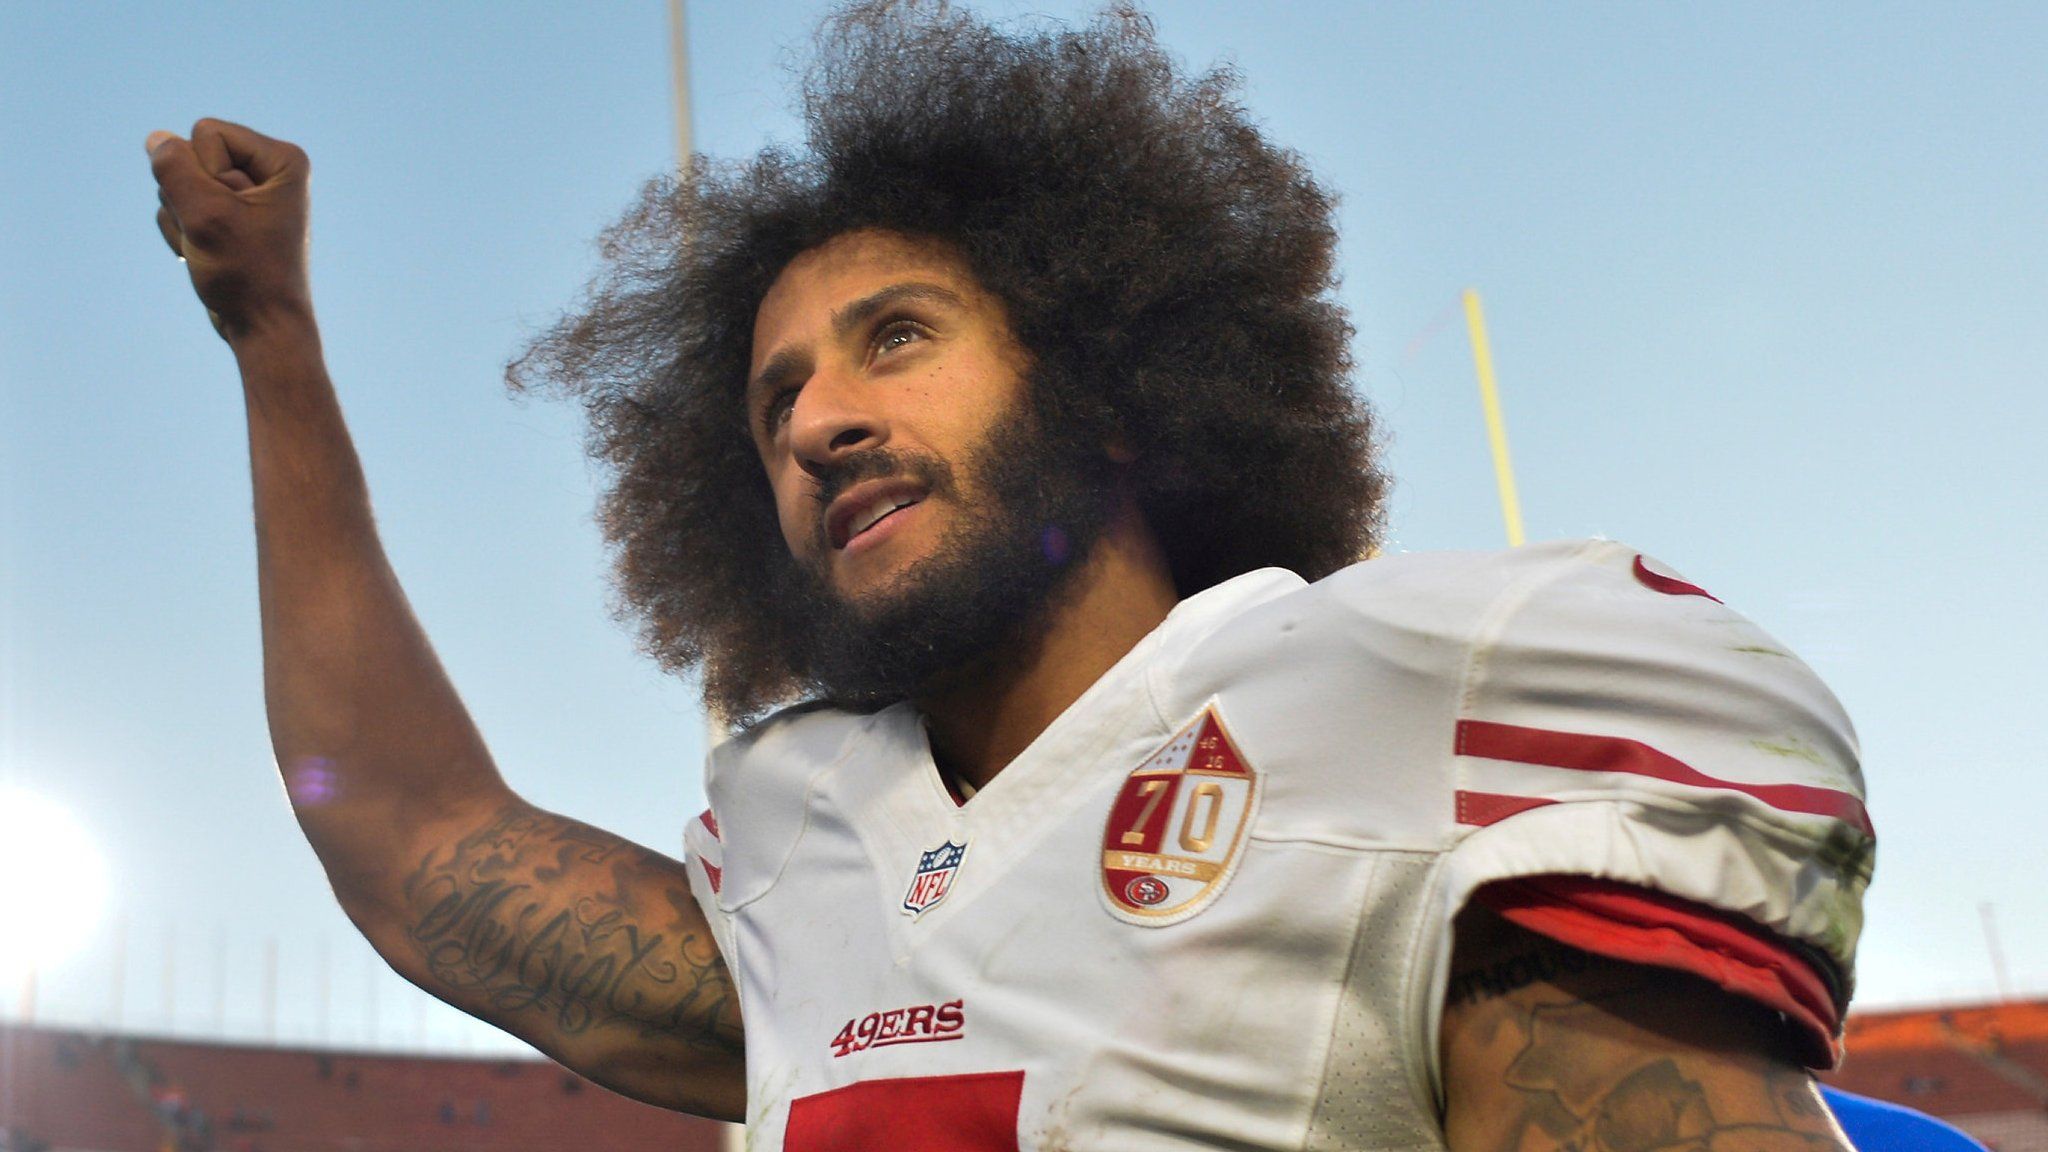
(53, 884)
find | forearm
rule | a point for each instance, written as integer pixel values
(370, 736)
(1548, 1048)
(589, 947)
(586, 945)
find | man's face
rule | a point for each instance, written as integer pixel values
(878, 366)
(931, 514)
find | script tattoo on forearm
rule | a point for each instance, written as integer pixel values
(534, 913)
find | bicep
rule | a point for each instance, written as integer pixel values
(1546, 1047)
(582, 943)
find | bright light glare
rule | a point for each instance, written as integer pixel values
(53, 882)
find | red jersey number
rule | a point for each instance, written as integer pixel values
(973, 1113)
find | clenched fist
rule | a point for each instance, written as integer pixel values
(234, 209)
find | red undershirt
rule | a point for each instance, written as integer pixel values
(1635, 924)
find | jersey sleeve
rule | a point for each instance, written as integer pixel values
(759, 784)
(704, 856)
(1618, 724)
(756, 783)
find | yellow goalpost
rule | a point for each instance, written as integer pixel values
(1496, 425)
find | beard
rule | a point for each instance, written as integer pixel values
(990, 582)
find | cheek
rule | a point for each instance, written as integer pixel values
(797, 515)
(795, 511)
(966, 403)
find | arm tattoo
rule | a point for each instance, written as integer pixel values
(1544, 963)
(535, 915)
(1588, 1088)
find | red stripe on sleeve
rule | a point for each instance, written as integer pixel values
(1669, 585)
(1586, 753)
(1484, 808)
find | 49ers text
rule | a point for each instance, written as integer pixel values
(922, 1024)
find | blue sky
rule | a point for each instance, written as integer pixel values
(1764, 284)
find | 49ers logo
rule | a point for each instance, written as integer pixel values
(1176, 830)
(1146, 891)
(922, 1024)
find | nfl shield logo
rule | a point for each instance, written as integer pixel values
(933, 878)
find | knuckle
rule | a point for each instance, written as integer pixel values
(204, 228)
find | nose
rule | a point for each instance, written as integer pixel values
(831, 417)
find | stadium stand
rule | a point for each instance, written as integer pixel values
(1983, 1069)
(64, 1090)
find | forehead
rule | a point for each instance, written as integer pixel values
(853, 264)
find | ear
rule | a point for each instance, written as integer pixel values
(1120, 452)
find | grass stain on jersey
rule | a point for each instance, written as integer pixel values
(1760, 650)
(1794, 749)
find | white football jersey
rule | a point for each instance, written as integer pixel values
(1211, 905)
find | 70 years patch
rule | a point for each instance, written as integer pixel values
(1177, 828)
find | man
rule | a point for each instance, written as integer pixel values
(1007, 431)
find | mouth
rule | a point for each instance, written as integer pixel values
(863, 507)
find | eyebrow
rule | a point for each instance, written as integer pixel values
(790, 360)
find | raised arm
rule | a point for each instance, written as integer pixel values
(587, 946)
(1546, 1047)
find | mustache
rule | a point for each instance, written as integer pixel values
(829, 480)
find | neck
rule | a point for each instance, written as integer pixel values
(981, 718)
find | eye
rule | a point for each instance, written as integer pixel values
(775, 413)
(897, 334)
